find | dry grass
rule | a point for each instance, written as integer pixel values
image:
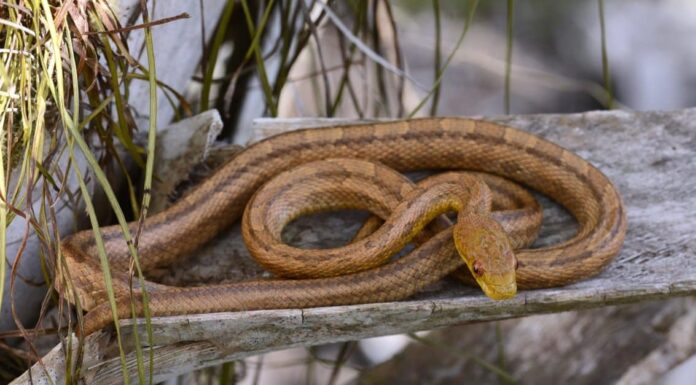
(63, 84)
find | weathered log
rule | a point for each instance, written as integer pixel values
(648, 155)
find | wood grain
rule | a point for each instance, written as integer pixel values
(648, 155)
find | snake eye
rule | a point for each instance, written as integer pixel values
(478, 268)
(517, 263)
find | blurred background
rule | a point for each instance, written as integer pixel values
(556, 58)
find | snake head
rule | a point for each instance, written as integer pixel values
(484, 246)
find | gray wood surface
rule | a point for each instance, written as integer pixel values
(650, 156)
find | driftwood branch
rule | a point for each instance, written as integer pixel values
(648, 155)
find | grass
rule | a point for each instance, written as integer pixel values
(508, 51)
(606, 74)
(58, 86)
(468, 19)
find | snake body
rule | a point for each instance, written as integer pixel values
(430, 144)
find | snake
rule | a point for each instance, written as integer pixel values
(272, 182)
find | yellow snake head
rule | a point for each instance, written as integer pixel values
(485, 248)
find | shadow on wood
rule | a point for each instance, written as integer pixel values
(649, 156)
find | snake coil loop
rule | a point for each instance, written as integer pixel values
(419, 144)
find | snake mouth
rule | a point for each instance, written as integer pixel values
(499, 291)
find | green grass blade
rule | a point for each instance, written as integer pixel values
(606, 74)
(149, 171)
(471, 11)
(437, 59)
(508, 51)
(255, 49)
(227, 373)
(57, 92)
(121, 126)
(218, 40)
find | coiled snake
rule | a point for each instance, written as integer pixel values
(359, 274)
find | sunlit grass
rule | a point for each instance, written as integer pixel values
(53, 95)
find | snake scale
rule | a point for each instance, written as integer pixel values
(417, 144)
